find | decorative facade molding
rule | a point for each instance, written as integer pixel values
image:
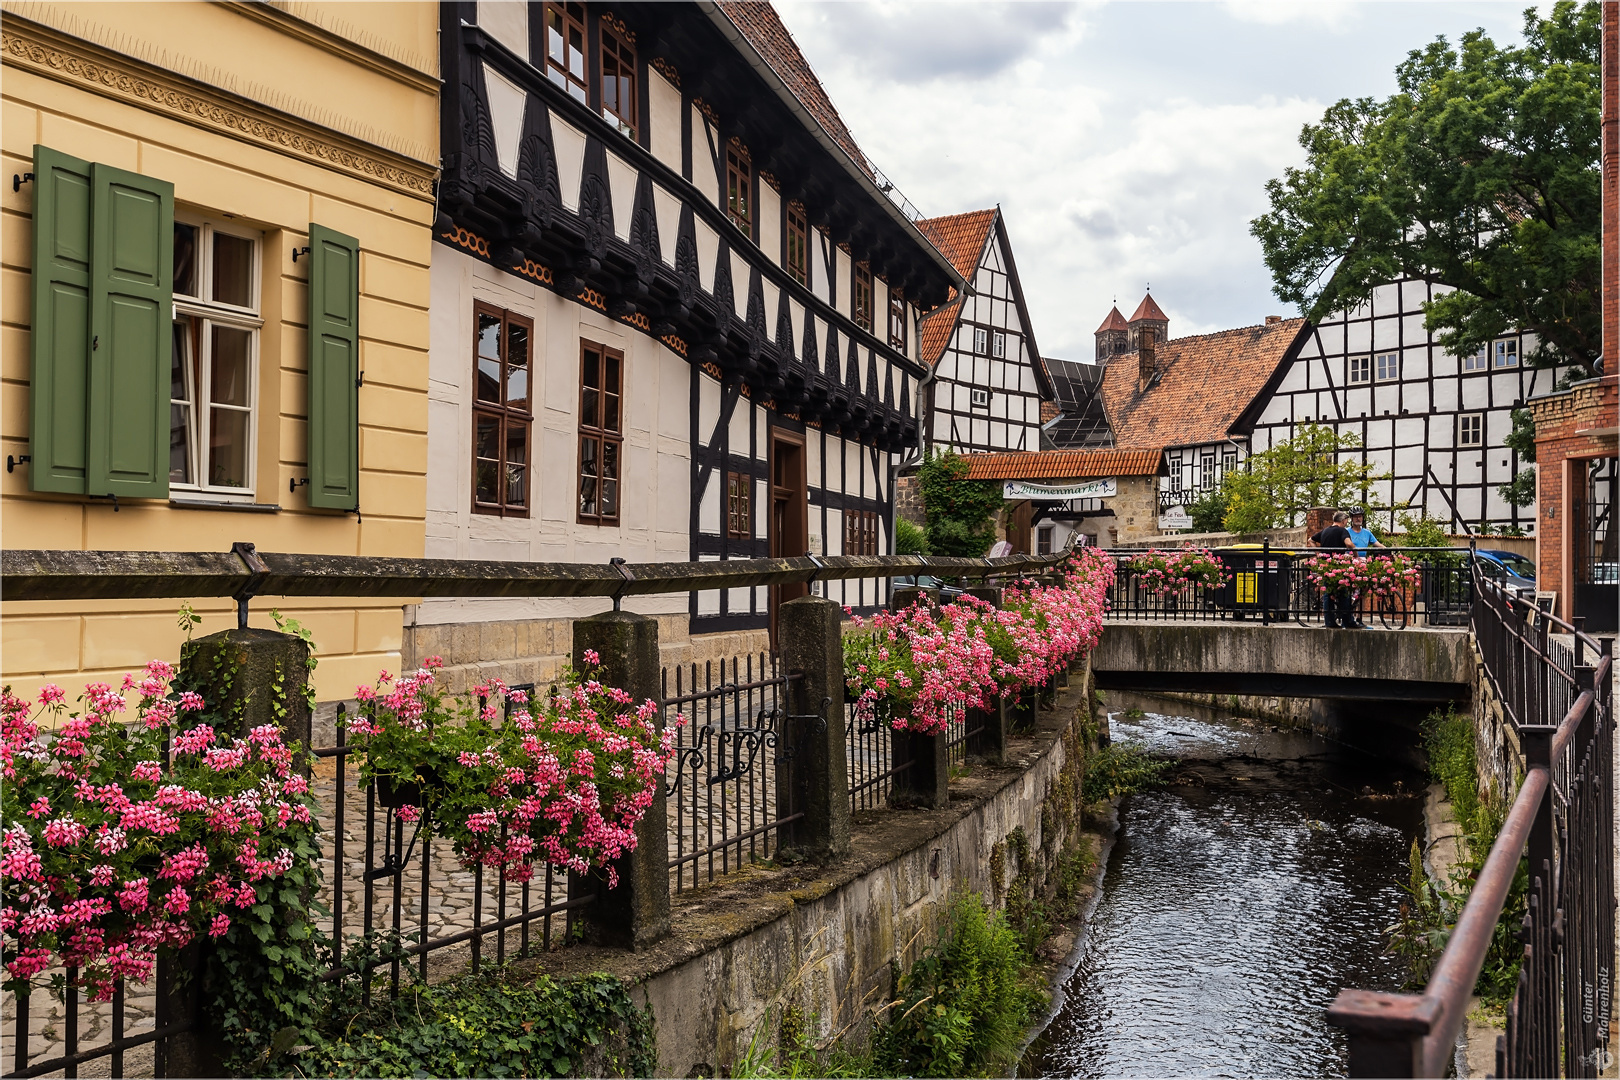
(35, 48)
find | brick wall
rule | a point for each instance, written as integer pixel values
(1571, 427)
(908, 500)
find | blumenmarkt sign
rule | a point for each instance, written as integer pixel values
(1080, 489)
(1175, 518)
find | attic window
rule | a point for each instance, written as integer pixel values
(981, 340)
(981, 398)
(1000, 349)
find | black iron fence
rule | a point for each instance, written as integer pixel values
(725, 806)
(875, 757)
(1277, 585)
(1558, 696)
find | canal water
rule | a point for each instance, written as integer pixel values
(1235, 904)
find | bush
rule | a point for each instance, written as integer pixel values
(494, 1025)
(1208, 511)
(1122, 770)
(963, 1008)
(910, 540)
(960, 512)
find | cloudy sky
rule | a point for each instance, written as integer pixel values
(1127, 143)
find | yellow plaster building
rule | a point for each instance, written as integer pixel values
(196, 167)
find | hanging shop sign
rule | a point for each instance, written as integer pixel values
(1014, 490)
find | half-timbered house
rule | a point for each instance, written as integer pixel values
(989, 381)
(1436, 422)
(1195, 397)
(674, 312)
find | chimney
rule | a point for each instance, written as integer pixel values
(1273, 320)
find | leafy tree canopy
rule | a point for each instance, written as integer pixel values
(1480, 173)
(959, 512)
(1281, 483)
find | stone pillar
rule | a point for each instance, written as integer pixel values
(255, 677)
(927, 783)
(992, 741)
(635, 914)
(812, 772)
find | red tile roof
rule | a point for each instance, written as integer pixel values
(1115, 321)
(1064, 464)
(1205, 383)
(961, 239)
(1147, 309)
(758, 21)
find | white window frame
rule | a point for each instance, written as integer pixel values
(998, 347)
(199, 373)
(1358, 370)
(1476, 421)
(981, 340)
(979, 397)
(1505, 353)
(1392, 373)
(1478, 360)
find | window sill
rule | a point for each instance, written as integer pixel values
(237, 507)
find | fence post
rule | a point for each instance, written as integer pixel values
(636, 913)
(926, 783)
(253, 677)
(1385, 1031)
(992, 742)
(812, 770)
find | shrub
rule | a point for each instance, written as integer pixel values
(493, 1025)
(963, 1007)
(910, 540)
(1208, 511)
(1121, 769)
(960, 512)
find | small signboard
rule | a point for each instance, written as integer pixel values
(1105, 488)
(1176, 517)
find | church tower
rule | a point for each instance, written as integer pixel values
(1149, 321)
(1113, 337)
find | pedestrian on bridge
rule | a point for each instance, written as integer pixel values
(1361, 536)
(1338, 611)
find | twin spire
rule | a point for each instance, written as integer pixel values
(1118, 336)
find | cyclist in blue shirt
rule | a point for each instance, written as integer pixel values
(1361, 536)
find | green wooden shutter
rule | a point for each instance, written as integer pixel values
(334, 369)
(60, 334)
(131, 326)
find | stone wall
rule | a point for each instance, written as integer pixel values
(1498, 758)
(908, 502)
(829, 939)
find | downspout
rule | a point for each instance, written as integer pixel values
(915, 456)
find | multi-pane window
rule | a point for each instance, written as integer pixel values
(739, 505)
(1173, 460)
(863, 296)
(1206, 471)
(860, 532)
(1477, 360)
(980, 397)
(601, 427)
(981, 340)
(618, 79)
(565, 48)
(1471, 429)
(1360, 369)
(897, 319)
(739, 189)
(503, 411)
(797, 252)
(1506, 354)
(213, 366)
(1388, 366)
(999, 344)
(1043, 540)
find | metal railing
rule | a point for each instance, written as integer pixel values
(1271, 585)
(875, 758)
(725, 806)
(1559, 700)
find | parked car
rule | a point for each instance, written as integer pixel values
(1513, 570)
(947, 592)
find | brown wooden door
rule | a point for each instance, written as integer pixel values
(1018, 527)
(790, 512)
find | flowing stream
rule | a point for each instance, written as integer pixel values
(1235, 904)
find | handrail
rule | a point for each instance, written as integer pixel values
(123, 575)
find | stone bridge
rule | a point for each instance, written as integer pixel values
(1286, 661)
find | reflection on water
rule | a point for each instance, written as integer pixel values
(1233, 913)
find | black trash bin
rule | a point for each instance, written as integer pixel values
(1259, 581)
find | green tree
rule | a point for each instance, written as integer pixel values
(908, 539)
(1480, 172)
(1208, 511)
(959, 512)
(1521, 490)
(1281, 483)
